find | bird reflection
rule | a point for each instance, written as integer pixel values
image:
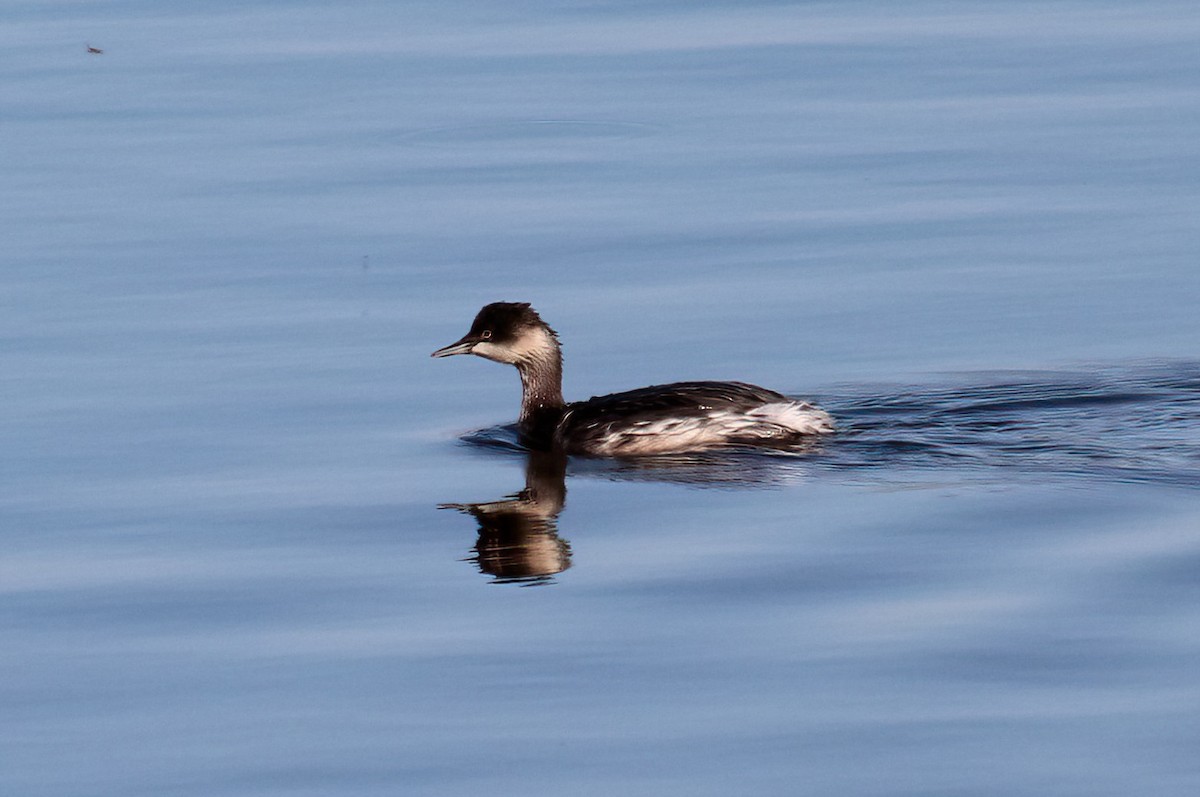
(518, 536)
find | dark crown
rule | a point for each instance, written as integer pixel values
(505, 320)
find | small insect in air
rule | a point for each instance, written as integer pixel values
(94, 50)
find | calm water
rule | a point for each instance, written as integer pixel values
(256, 542)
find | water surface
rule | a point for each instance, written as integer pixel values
(256, 542)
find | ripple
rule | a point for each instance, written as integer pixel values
(1136, 424)
(532, 131)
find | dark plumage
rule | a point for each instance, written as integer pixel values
(683, 416)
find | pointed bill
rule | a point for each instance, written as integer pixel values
(464, 346)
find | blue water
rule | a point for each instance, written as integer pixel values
(256, 542)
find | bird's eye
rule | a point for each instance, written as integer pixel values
(486, 334)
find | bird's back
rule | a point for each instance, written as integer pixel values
(685, 416)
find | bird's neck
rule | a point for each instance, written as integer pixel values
(541, 394)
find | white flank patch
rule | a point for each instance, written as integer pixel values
(797, 416)
(778, 421)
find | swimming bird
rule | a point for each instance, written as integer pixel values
(662, 419)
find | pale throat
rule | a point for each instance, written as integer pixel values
(540, 366)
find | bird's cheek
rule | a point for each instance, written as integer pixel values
(492, 352)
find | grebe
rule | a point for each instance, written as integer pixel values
(663, 419)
